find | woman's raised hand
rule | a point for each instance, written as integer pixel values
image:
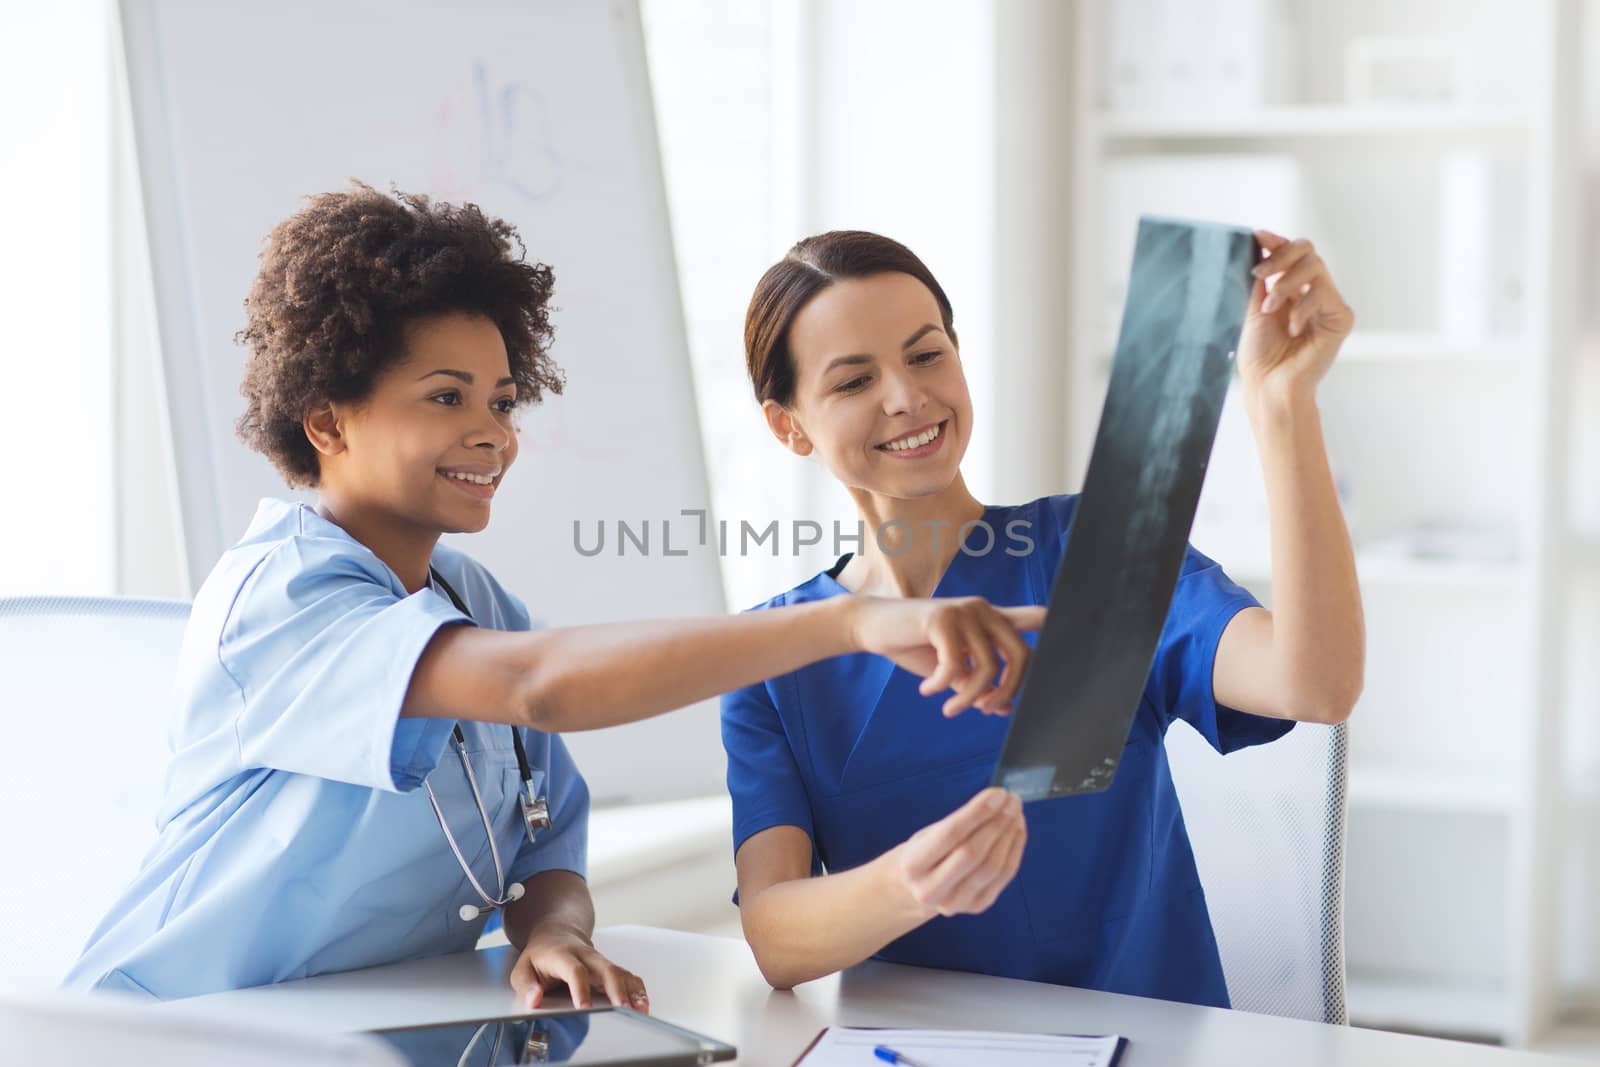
(962, 643)
(1294, 329)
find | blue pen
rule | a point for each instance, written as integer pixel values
(889, 1055)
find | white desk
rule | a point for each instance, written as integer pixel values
(711, 984)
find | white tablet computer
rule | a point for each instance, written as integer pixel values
(1187, 297)
(596, 1037)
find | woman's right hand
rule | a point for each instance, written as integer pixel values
(960, 864)
(959, 643)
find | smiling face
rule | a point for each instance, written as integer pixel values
(432, 442)
(879, 390)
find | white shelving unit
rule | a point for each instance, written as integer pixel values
(1464, 1008)
(1388, 571)
(1410, 788)
(1308, 122)
(1374, 346)
(1456, 790)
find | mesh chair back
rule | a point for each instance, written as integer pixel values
(1268, 829)
(87, 692)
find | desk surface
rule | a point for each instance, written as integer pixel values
(711, 984)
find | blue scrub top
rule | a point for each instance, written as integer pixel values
(294, 838)
(1107, 896)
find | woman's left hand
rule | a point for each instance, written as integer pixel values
(556, 956)
(1292, 333)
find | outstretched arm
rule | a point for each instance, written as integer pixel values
(587, 677)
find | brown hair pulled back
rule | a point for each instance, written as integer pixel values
(789, 285)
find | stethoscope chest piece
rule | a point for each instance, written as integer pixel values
(535, 813)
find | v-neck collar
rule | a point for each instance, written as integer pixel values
(831, 575)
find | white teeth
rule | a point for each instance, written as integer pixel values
(478, 479)
(914, 442)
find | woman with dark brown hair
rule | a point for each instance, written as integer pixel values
(861, 827)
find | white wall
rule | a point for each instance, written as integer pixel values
(1591, 153)
(55, 291)
(722, 75)
(1580, 843)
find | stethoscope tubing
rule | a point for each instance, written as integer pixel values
(526, 800)
(500, 900)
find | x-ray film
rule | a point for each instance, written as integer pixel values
(1187, 298)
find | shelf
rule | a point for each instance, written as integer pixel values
(1573, 1039)
(1398, 571)
(1295, 123)
(1486, 574)
(1430, 790)
(1397, 347)
(1405, 347)
(1435, 1006)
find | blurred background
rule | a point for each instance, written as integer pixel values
(1444, 155)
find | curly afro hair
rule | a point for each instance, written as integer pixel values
(340, 280)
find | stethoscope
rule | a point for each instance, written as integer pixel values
(535, 1049)
(535, 809)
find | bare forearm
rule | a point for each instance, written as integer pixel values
(1318, 632)
(587, 677)
(553, 898)
(806, 928)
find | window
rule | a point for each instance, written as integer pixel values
(727, 128)
(56, 421)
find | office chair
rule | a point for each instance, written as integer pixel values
(1268, 828)
(87, 694)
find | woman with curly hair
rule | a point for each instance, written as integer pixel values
(367, 721)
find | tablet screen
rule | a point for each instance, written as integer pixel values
(602, 1037)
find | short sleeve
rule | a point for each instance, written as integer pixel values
(1205, 601)
(322, 646)
(763, 778)
(564, 846)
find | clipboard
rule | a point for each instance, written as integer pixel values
(1187, 297)
(853, 1045)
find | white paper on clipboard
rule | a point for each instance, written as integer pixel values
(840, 1046)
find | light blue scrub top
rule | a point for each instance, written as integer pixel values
(294, 837)
(1108, 896)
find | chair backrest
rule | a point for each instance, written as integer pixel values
(87, 695)
(77, 1030)
(1268, 828)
